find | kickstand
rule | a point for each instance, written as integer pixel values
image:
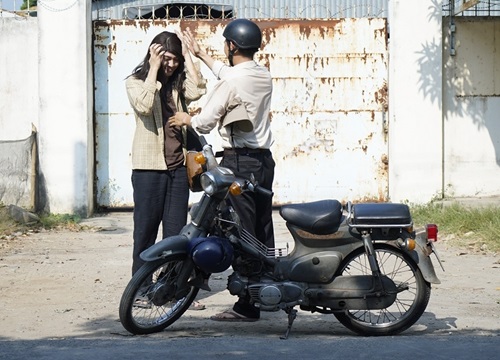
(292, 314)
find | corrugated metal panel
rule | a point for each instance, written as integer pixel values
(328, 109)
(263, 9)
(476, 8)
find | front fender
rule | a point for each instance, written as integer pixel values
(422, 258)
(169, 246)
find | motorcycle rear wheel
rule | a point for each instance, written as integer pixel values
(411, 300)
(148, 304)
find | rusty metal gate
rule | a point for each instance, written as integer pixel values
(329, 105)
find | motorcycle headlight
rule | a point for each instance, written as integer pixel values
(217, 180)
(208, 183)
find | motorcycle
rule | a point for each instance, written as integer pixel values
(363, 263)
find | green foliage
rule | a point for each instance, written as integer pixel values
(476, 228)
(51, 221)
(28, 4)
(9, 227)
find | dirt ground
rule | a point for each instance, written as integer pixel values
(63, 284)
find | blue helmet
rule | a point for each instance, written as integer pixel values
(211, 254)
(244, 33)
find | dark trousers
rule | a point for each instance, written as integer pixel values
(159, 197)
(254, 210)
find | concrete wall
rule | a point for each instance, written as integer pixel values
(18, 77)
(471, 100)
(66, 106)
(415, 111)
(18, 110)
(46, 82)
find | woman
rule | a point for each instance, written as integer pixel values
(157, 88)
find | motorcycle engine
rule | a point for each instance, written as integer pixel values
(269, 294)
(237, 284)
(273, 296)
(247, 266)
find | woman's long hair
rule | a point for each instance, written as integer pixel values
(172, 44)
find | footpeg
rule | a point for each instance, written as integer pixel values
(201, 283)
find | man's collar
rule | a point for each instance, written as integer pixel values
(246, 64)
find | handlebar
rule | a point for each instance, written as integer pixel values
(203, 141)
(208, 153)
(259, 189)
(264, 191)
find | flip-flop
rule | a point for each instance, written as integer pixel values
(142, 303)
(231, 316)
(195, 305)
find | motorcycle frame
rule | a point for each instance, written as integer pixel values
(334, 247)
(347, 239)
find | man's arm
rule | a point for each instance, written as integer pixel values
(210, 115)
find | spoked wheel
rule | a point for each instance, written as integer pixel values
(148, 304)
(412, 298)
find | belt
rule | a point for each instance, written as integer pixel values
(240, 151)
(243, 151)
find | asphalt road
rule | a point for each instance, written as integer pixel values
(257, 347)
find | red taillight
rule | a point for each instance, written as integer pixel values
(432, 232)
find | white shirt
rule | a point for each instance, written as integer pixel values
(253, 85)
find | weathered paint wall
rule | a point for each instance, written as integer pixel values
(471, 87)
(328, 109)
(329, 105)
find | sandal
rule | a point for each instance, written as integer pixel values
(142, 302)
(232, 316)
(195, 305)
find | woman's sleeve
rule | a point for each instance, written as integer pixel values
(141, 94)
(195, 85)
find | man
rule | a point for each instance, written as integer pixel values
(243, 85)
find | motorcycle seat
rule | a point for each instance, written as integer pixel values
(380, 215)
(317, 217)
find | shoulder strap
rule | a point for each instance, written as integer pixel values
(192, 138)
(182, 98)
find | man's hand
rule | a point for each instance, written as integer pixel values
(180, 119)
(185, 45)
(195, 48)
(191, 42)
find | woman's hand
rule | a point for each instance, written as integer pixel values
(156, 53)
(180, 119)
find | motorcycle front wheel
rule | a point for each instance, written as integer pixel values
(148, 304)
(412, 298)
